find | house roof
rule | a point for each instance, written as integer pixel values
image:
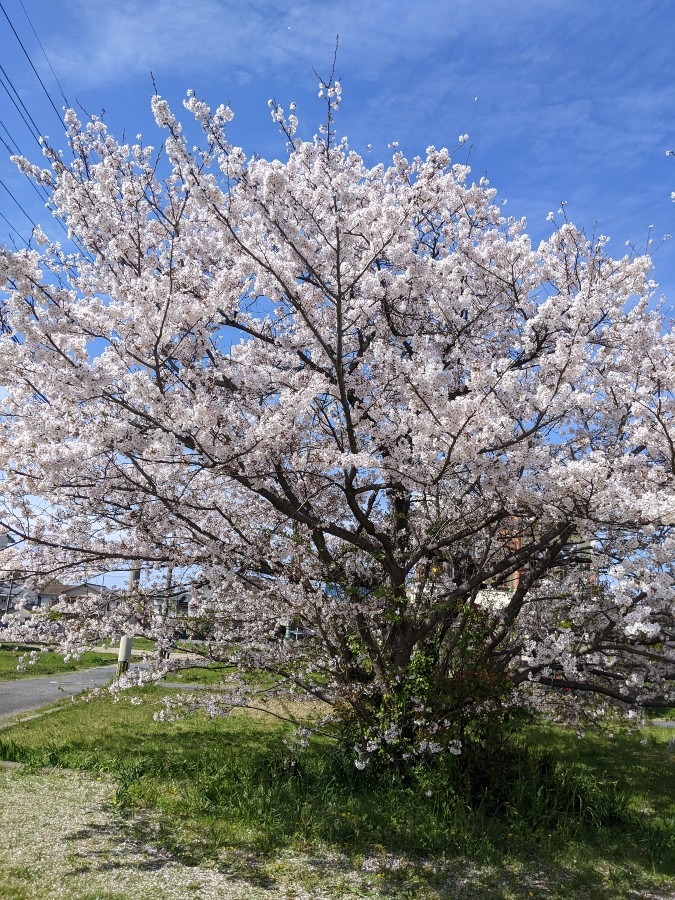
(56, 588)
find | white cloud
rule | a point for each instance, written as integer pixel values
(107, 42)
(576, 100)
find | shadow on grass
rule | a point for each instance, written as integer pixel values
(228, 793)
(139, 846)
(638, 761)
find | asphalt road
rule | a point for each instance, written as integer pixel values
(26, 694)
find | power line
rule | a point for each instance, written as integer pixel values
(17, 149)
(30, 125)
(15, 230)
(40, 190)
(37, 74)
(4, 142)
(44, 53)
(35, 132)
(2, 184)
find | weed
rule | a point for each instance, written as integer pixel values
(210, 785)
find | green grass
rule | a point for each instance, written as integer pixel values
(48, 663)
(596, 814)
(207, 675)
(142, 643)
(668, 714)
(213, 674)
(139, 643)
(646, 770)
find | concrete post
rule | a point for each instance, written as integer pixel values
(134, 579)
(9, 593)
(126, 640)
(124, 654)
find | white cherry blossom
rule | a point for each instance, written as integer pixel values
(346, 397)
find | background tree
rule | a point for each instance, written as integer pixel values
(352, 398)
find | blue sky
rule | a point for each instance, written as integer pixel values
(564, 100)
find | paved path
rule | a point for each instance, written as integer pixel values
(26, 694)
(31, 693)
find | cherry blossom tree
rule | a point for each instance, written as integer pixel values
(354, 399)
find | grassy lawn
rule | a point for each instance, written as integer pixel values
(213, 674)
(139, 643)
(207, 675)
(638, 764)
(48, 663)
(226, 795)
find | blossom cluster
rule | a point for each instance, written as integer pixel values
(396, 455)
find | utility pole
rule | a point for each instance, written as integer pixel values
(9, 593)
(163, 651)
(124, 654)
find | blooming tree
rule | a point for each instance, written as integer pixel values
(353, 399)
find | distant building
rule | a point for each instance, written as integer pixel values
(55, 590)
(16, 598)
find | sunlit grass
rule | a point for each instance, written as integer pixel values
(637, 762)
(211, 675)
(140, 643)
(47, 663)
(597, 814)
